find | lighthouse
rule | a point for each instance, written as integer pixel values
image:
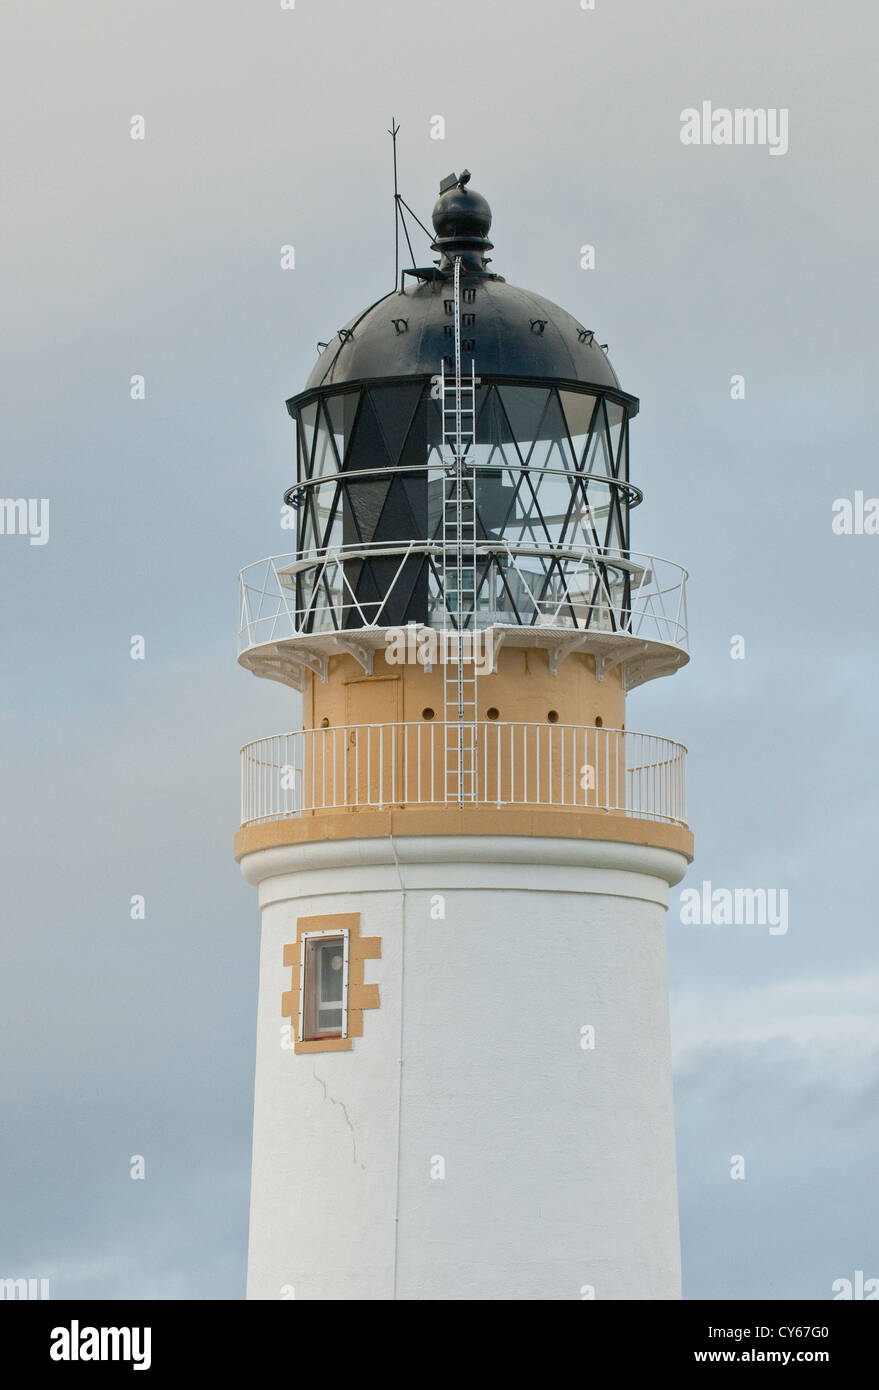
(463, 858)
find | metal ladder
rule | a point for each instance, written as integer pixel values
(459, 571)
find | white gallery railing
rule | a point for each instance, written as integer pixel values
(360, 766)
(528, 584)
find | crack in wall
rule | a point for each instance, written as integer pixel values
(342, 1107)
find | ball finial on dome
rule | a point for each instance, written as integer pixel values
(461, 221)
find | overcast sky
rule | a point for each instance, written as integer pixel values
(161, 257)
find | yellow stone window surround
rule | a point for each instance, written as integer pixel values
(360, 995)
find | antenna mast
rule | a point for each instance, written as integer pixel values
(393, 132)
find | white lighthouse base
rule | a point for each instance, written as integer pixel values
(503, 1128)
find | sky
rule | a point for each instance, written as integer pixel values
(161, 257)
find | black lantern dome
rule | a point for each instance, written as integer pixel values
(513, 332)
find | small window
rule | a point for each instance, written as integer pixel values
(323, 992)
(469, 296)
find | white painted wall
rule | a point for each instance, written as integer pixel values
(559, 1161)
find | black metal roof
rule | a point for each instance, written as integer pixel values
(509, 332)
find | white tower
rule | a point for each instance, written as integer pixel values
(463, 1078)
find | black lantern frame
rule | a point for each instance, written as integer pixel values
(550, 465)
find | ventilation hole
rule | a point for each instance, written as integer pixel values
(599, 722)
(553, 716)
(325, 723)
(427, 712)
(491, 713)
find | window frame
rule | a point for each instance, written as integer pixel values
(307, 1007)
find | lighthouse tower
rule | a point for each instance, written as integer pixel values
(463, 858)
